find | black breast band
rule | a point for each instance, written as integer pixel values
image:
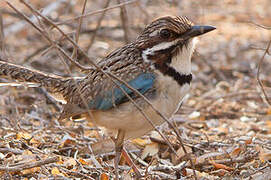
(181, 79)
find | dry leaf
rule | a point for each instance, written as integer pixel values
(34, 141)
(156, 135)
(180, 155)
(221, 166)
(189, 172)
(248, 141)
(56, 172)
(150, 150)
(140, 142)
(194, 115)
(82, 161)
(70, 163)
(104, 177)
(27, 152)
(23, 135)
(67, 140)
(268, 111)
(30, 171)
(268, 125)
(60, 160)
(236, 152)
(265, 155)
(220, 172)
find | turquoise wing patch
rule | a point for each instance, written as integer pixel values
(112, 98)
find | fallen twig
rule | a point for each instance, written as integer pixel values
(29, 164)
(14, 151)
(1, 32)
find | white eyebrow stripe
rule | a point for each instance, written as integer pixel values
(154, 33)
(159, 47)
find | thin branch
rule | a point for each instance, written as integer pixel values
(258, 74)
(259, 48)
(97, 12)
(1, 32)
(98, 25)
(35, 53)
(143, 10)
(130, 162)
(261, 26)
(74, 53)
(12, 150)
(124, 21)
(29, 165)
(246, 158)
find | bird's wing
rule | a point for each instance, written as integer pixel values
(109, 98)
(115, 96)
(98, 92)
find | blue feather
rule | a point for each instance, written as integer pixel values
(114, 97)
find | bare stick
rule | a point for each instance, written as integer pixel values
(1, 32)
(74, 53)
(124, 21)
(14, 151)
(97, 26)
(130, 162)
(29, 165)
(98, 11)
(143, 9)
(258, 74)
(261, 26)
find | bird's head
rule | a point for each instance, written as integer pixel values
(167, 37)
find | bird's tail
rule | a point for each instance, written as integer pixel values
(52, 83)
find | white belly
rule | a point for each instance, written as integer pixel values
(128, 118)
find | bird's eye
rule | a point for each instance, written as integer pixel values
(165, 33)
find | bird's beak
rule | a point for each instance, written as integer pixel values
(198, 30)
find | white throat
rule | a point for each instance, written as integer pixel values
(182, 62)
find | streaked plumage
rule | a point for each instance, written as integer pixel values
(157, 64)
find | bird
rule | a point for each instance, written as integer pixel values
(157, 64)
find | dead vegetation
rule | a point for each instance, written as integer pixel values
(224, 124)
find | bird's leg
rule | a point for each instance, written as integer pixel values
(118, 148)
